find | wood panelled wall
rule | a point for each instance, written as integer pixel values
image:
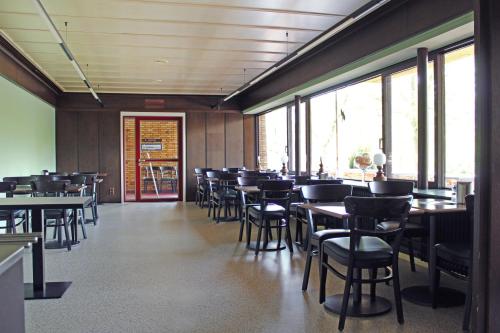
(88, 137)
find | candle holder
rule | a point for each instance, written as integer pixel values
(284, 161)
(320, 171)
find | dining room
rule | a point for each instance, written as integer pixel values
(249, 166)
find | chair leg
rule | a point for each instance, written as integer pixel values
(345, 299)
(66, 233)
(209, 201)
(373, 285)
(54, 234)
(259, 235)
(412, 254)
(288, 235)
(322, 277)
(307, 269)
(218, 211)
(397, 292)
(242, 226)
(435, 286)
(82, 223)
(94, 213)
(249, 232)
(279, 237)
(468, 304)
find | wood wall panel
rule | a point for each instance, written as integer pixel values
(88, 142)
(88, 136)
(109, 149)
(215, 141)
(196, 149)
(234, 140)
(249, 140)
(67, 141)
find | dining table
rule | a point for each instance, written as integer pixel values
(39, 288)
(422, 294)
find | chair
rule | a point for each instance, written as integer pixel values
(275, 197)
(412, 230)
(224, 194)
(320, 194)
(246, 201)
(455, 259)
(202, 188)
(10, 216)
(168, 175)
(367, 249)
(61, 217)
(80, 180)
(298, 180)
(212, 179)
(150, 177)
(90, 191)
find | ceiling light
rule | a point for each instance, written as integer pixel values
(158, 80)
(161, 61)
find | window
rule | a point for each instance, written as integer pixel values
(324, 133)
(404, 124)
(272, 138)
(459, 114)
(359, 119)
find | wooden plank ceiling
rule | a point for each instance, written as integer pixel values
(166, 46)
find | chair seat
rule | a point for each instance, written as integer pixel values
(455, 252)
(370, 252)
(53, 213)
(228, 194)
(411, 229)
(270, 211)
(321, 235)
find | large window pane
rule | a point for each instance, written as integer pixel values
(459, 114)
(303, 155)
(404, 129)
(323, 133)
(359, 110)
(272, 138)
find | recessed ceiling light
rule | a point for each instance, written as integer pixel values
(161, 61)
(158, 80)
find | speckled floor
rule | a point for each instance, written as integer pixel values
(164, 267)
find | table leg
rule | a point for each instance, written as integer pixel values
(40, 289)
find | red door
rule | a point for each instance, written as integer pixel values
(153, 158)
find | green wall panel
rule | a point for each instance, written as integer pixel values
(27, 132)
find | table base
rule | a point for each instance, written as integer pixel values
(52, 290)
(366, 308)
(421, 295)
(271, 246)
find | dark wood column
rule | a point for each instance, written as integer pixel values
(297, 135)
(422, 60)
(486, 254)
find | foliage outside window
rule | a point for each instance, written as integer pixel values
(272, 138)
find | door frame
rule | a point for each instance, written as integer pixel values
(152, 115)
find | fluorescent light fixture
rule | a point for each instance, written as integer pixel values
(52, 27)
(78, 70)
(311, 45)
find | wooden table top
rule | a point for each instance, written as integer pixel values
(26, 189)
(44, 202)
(337, 209)
(434, 206)
(255, 189)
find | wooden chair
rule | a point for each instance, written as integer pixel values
(367, 248)
(275, 197)
(168, 175)
(320, 194)
(413, 229)
(246, 201)
(10, 216)
(455, 259)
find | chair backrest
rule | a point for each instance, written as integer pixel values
(324, 181)
(228, 177)
(168, 171)
(326, 193)
(6, 187)
(27, 180)
(378, 209)
(275, 191)
(58, 174)
(213, 174)
(78, 179)
(198, 171)
(271, 175)
(231, 170)
(251, 181)
(48, 188)
(391, 187)
(250, 173)
(60, 177)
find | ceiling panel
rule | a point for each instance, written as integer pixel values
(161, 46)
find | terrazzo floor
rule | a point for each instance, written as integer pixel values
(165, 267)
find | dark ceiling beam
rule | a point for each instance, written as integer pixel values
(17, 68)
(393, 23)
